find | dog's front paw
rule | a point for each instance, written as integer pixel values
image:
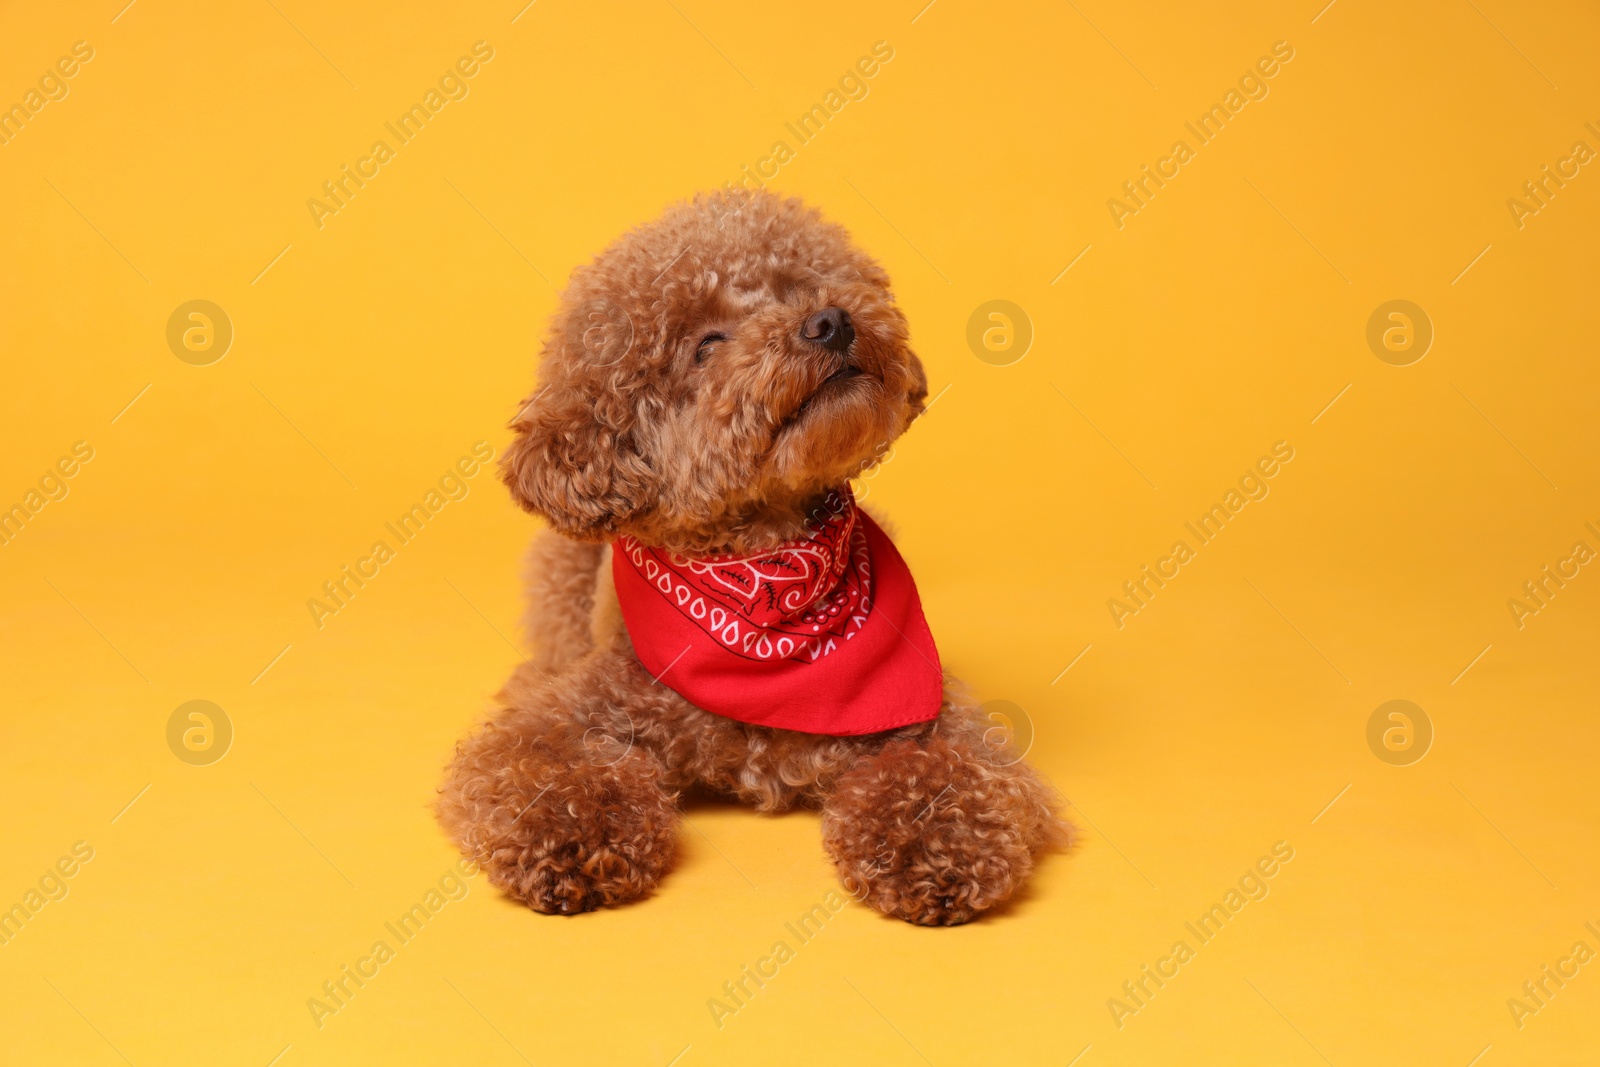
(926, 836)
(563, 832)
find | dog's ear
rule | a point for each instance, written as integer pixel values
(917, 391)
(572, 466)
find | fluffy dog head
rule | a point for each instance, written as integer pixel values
(710, 376)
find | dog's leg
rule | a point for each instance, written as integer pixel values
(938, 828)
(560, 576)
(555, 800)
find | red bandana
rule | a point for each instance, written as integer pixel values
(823, 634)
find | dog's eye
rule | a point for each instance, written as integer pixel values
(708, 344)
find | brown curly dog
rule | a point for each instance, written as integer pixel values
(709, 384)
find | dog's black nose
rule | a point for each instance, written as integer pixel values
(829, 328)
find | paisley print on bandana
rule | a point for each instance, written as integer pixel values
(798, 600)
(823, 634)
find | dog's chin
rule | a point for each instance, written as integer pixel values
(845, 422)
(845, 388)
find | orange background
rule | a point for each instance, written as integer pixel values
(1228, 714)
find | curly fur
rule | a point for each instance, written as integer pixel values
(680, 405)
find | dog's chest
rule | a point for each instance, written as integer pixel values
(605, 618)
